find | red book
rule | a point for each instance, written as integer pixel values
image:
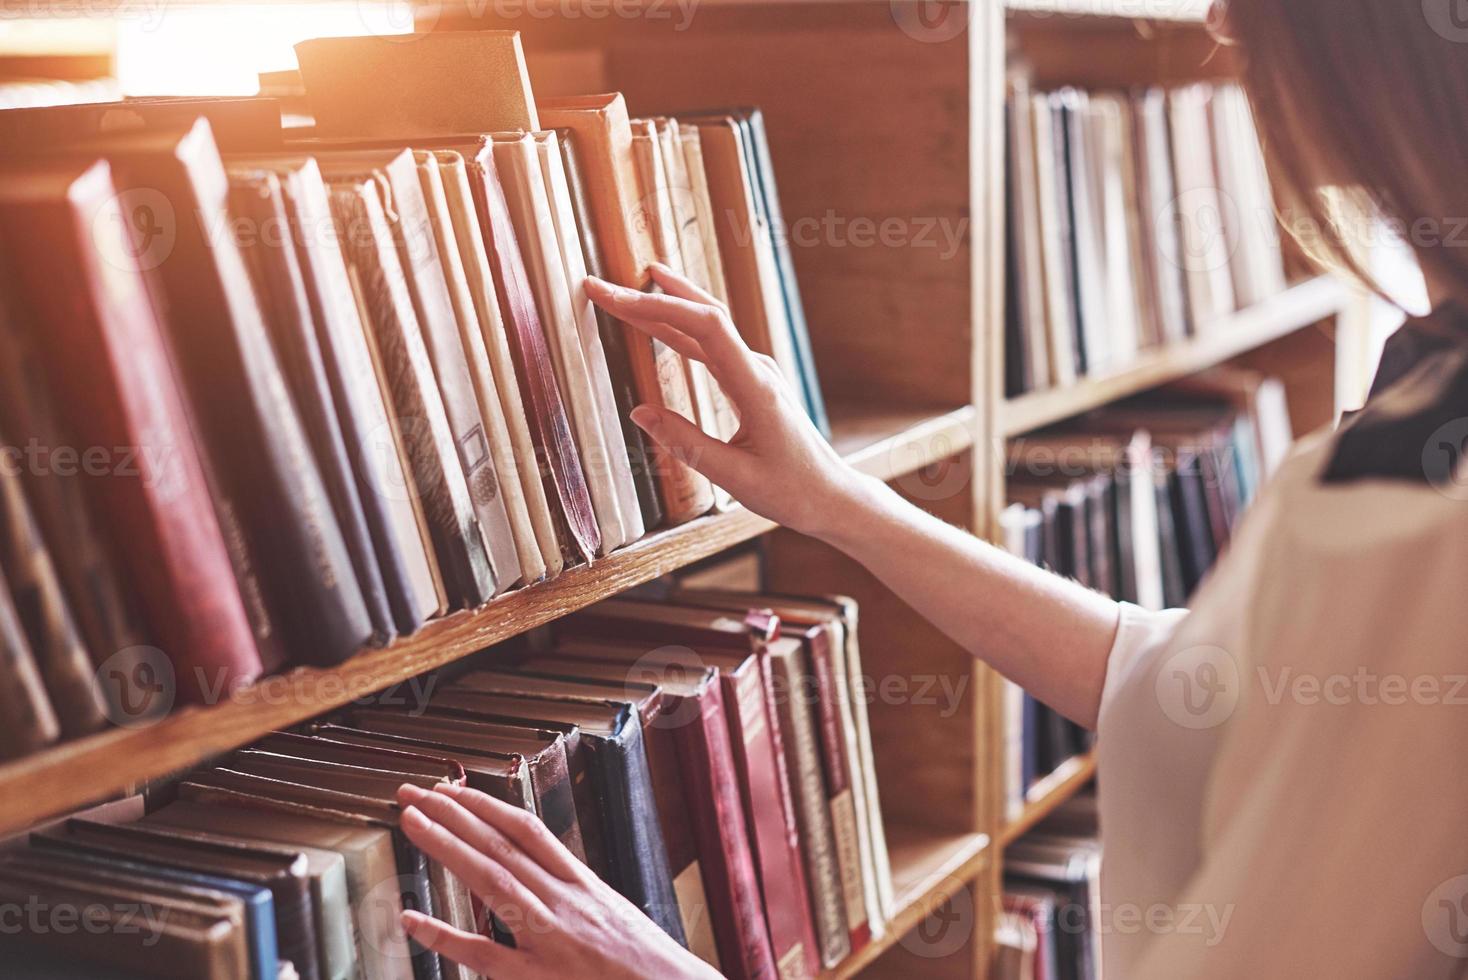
(77, 277)
(734, 645)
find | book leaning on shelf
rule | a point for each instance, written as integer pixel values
(1136, 501)
(1136, 219)
(349, 380)
(655, 740)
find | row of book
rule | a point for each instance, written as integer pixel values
(1137, 501)
(706, 756)
(272, 404)
(1050, 926)
(1136, 219)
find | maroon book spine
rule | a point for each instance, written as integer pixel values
(100, 336)
(549, 425)
(730, 880)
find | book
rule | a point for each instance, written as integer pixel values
(104, 348)
(29, 722)
(1053, 222)
(442, 82)
(514, 453)
(604, 146)
(614, 343)
(1204, 244)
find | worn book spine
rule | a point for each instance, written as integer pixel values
(729, 866)
(400, 553)
(550, 778)
(841, 798)
(614, 343)
(782, 881)
(813, 816)
(505, 527)
(45, 615)
(409, 218)
(514, 451)
(407, 376)
(556, 447)
(270, 254)
(104, 349)
(28, 721)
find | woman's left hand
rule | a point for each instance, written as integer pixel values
(566, 921)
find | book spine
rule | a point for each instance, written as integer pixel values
(550, 778)
(45, 615)
(841, 798)
(417, 896)
(290, 320)
(585, 797)
(28, 721)
(116, 383)
(638, 853)
(549, 422)
(407, 378)
(440, 332)
(724, 844)
(813, 818)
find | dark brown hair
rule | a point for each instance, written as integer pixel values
(1363, 106)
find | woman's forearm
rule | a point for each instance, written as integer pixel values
(1049, 634)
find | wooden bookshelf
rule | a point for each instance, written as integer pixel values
(1303, 305)
(1049, 793)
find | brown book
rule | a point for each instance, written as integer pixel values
(426, 85)
(408, 217)
(356, 400)
(243, 123)
(106, 614)
(543, 753)
(623, 221)
(55, 642)
(420, 425)
(95, 327)
(28, 722)
(736, 645)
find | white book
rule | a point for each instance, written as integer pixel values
(1059, 308)
(1109, 161)
(553, 166)
(540, 551)
(1203, 229)
(530, 212)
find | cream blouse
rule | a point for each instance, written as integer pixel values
(1284, 769)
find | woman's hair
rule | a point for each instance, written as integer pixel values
(1363, 109)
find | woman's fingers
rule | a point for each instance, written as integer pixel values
(523, 828)
(487, 840)
(672, 336)
(688, 444)
(680, 286)
(708, 325)
(483, 956)
(486, 877)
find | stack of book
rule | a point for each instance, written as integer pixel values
(1135, 220)
(1050, 927)
(268, 397)
(1137, 501)
(708, 757)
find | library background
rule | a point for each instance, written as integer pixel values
(385, 508)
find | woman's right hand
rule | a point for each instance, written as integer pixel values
(777, 464)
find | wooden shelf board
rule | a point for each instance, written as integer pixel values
(99, 766)
(1049, 793)
(1299, 306)
(927, 869)
(865, 437)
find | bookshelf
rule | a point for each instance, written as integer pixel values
(879, 118)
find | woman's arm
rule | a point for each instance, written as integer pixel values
(1050, 635)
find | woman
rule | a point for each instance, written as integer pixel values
(1283, 790)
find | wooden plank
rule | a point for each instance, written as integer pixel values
(1049, 793)
(1300, 306)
